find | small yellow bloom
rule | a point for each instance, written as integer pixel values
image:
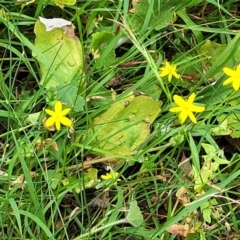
(169, 70)
(234, 77)
(186, 108)
(58, 116)
(111, 175)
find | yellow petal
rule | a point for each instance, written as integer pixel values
(58, 125)
(179, 101)
(238, 70)
(65, 111)
(58, 107)
(167, 64)
(236, 84)
(195, 108)
(170, 76)
(183, 116)
(192, 117)
(66, 121)
(50, 122)
(176, 75)
(175, 109)
(164, 72)
(229, 71)
(229, 80)
(107, 176)
(50, 112)
(191, 98)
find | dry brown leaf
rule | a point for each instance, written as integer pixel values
(182, 195)
(185, 166)
(19, 181)
(180, 230)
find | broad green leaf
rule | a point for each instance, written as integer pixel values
(88, 180)
(33, 117)
(222, 129)
(211, 51)
(62, 3)
(233, 122)
(99, 45)
(153, 14)
(177, 139)
(210, 166)
(125, 125)
(206, 210)
(69, 95)
(54, 178)
(134, 216)
(63, 51)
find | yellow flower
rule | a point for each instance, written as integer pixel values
(58, 116)
(186, 108)
(170, 70)
(111, 175)
(234, 77)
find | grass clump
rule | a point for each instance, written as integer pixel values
(119, 119)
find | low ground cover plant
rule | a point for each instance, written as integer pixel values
(119, 119)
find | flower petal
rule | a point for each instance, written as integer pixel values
(192, 117)
(164, 72)
(170, 76)
(50, 122)
(183, 116)
(107, 176)
(236, 84)
(176, 75)
(179, 100)
(66, 121)
(168, 65)
(196, 108)
(50, 112)
(191, 98)
(58, 125)
(238, 70)
(229, 80)
(58, 107)
(229, 71)
(65, 111)
(175, 109)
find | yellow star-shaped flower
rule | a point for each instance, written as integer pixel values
(169, 70)
(58, 116)
(186, 108)
(111, 175)
(234, 77)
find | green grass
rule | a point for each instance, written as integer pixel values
(180, 182)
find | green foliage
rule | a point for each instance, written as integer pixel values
(134, 215)
(63, 51)
(99, 48)
(102, 59)
(125, 125)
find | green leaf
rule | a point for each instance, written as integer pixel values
(33, 117)
(63, 51)
(88, 180)
(54, 178)
(207, 214)
(125, 125)
(69, 95)
(232, 122)
(134, 216)
(99, 46)
(211, 51)
(62, 3)
(177, 139)
(153, 14)
(222, 129)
